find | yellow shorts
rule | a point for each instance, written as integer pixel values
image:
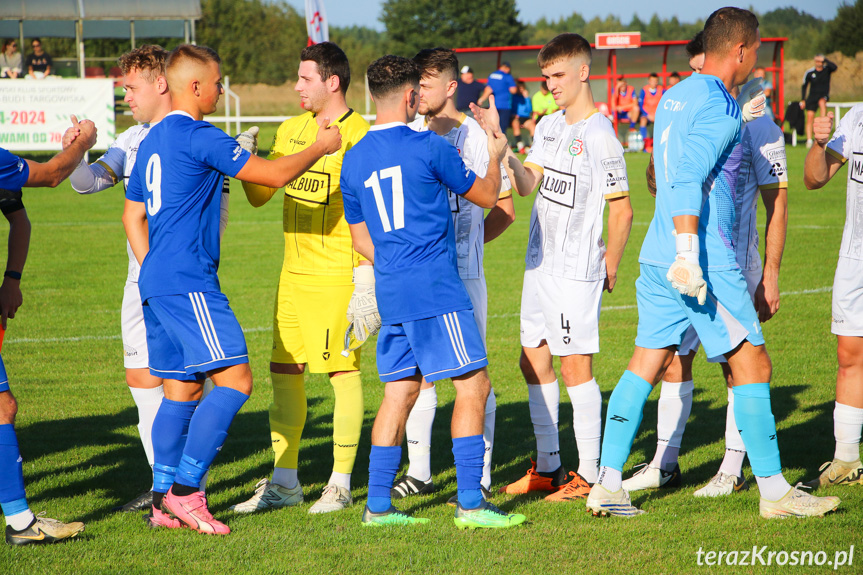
(309, 326)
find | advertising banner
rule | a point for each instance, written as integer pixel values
(35, 113)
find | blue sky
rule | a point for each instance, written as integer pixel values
(366, 12)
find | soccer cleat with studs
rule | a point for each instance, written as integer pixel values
(797, 503)
(838, 472)
(391, 516)
(652, 478)
(603, 503)
(43, 530)
(270, 496)
(576, 488)
(407, 486)
(722, 484)
(486, 516)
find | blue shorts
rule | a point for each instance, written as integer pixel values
(4, 379)
(722, 323)
(438, 347)
(191, 334)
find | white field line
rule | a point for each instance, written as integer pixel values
(268, 328)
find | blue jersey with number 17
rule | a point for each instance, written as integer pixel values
(178, 174)
(396, 181)
(697, 127)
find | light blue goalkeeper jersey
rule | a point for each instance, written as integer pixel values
(697, 128)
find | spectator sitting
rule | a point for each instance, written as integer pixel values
(502, 85)
(469, 91)
(522, 118)
(624, 106)
(673, 79)
(648, 102)
(543, 102)
(39, 63)
(10, 60)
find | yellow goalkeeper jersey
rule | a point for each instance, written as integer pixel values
(317, 238)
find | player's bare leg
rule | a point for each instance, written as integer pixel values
(846, 469)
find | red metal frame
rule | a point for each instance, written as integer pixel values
(778, 71)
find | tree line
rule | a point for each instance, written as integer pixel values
(259, 40)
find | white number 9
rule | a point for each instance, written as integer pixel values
(154, 184)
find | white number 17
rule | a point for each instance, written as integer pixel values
(394, 173)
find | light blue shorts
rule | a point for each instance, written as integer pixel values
(438, 347)
(725, 320)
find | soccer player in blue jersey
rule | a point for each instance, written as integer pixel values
(690, 276)
(172, 217)
(395, 185)
(22, 527)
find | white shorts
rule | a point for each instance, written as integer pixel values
(478, 293)
(562, 312)
(690, 338)
(848, 298)
(135, 354)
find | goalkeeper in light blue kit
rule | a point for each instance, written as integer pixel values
(395, 184)
(690, 276)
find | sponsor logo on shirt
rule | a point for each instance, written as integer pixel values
(576, 147)
(856, 168)
(547, 139)
(611, 179)
(237, 151)
(775, 154)
(310, 187)
(20, 165)
(613, 164)
(777, 169)
(673, 105)
(558, 187)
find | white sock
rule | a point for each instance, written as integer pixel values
(587, 425)
(674, 407)
(340, 479)
(147, 401)
(847, 424)
(285, 477)
(610, 478)
(773, 488)
(21, 520)
(544, 403)
(488, 438)
(735, 451)
(418, 432)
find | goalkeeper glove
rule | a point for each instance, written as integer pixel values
(685, 273)
(753, 103)
(248, 140)
(363, 309)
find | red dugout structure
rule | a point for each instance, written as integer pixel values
(635, 64)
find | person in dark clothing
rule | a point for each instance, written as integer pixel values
(817, 79)
(469, 90)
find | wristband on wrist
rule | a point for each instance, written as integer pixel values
(688, 247)
(12, 275)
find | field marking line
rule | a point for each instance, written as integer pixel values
(268, 328)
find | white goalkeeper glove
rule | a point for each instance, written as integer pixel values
(363, 316)
(248, 140)
(752, 101)
(685, 273)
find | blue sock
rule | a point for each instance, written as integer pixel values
(170, 428)
(623, 418)
(468, 453)
(757, 428)
(383, 465)
(207, 433)
(643, 131)
(13, 499)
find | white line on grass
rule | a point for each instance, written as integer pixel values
(267, 328)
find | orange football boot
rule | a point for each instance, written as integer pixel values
(532, 481)
(575, 488)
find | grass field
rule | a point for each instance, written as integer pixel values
(78, 436)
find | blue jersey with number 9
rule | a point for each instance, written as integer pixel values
(178, 175)
(396, 181)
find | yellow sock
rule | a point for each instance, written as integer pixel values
(347, 420)
(287, 417)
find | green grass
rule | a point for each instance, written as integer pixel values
(78, 436)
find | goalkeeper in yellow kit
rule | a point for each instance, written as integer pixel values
(315, 288)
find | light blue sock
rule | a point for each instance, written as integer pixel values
(623, 418)
(383, 465)
(13, 499)
(757, 427)
(207, 433)
(469, 452)
(170, 429)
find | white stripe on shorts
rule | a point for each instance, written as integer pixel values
(204, 325)
(456, 339)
